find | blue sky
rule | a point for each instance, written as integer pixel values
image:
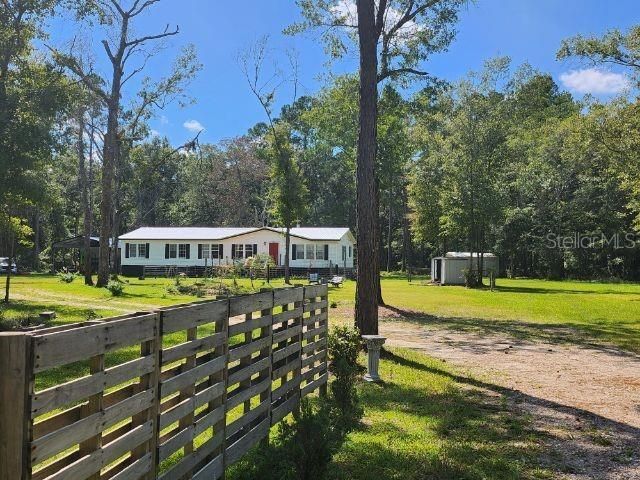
(526, 30)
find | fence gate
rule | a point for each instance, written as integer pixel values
(182, 392)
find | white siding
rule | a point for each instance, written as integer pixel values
(261, 238)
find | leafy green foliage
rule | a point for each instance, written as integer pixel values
(67, 277)
(344, 345)
(115, 287)
(615, 47)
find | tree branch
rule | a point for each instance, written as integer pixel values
(399, 71)
(164, 34)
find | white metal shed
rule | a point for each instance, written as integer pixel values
(449, 269)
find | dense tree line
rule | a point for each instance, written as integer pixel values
(500, 161)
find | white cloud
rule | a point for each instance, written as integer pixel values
(193, 126)
(595, 81)
(164, 120)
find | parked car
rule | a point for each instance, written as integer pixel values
(4, 265)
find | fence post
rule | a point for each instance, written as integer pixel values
(268, 353)
(323, 388)
(221, 326)
(15, 420)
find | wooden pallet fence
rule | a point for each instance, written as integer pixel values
(178, 393)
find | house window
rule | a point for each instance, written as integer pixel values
(310, 252)
(172, 250)
(142, 250)
(133, 251)
(350, 251)
(344, 253)
(239, 251)
(250, 250)
(209, 250)
(183, 250)
(299, 251)
(320, 252)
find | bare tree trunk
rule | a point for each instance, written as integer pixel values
(12, 254)
(367, 288)
(287, 248)
(106, 205)
(84, 199)
(389, 254)
(406, 238)
(36, 238)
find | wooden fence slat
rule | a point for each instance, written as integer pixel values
(85, 428)
(249, 325)
(311, 386)
(135, 470)
(285, 352)
(53, 398)
(313, 291)
(16, 381)
(190, 461)
(247, 418)
(235, 451)
(315, 317)
(287, 333)
(246, 372)
(313, 346)
(191, 376)
(287, 315)
(240, 395)
(247, 349)
(283, 370)
(52, 350)
(314, 332)
(185, 349)
(93, 463)
(284, 409)
(183, 318)
(313, 306)
(283, 296)
(250, 303)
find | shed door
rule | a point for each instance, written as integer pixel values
(273, 251)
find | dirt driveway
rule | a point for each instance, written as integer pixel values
(583, 397)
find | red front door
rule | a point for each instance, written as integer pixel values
(273, 251)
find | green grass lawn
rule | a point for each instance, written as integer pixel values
(530, 308)
(549, 310)
(426, 421)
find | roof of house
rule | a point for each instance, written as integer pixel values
(209, 233)
(467, 255)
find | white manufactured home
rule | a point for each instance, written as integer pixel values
(449, 269)
(311, 247)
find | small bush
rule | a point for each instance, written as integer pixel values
(301, 448)
(115, 287)
(66, 277)
(334, 305)
(344, 346)
(17, 323)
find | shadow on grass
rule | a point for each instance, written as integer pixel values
(560, 291)
(584, 335)
(64, 313)
(477, 434)
(448, 432)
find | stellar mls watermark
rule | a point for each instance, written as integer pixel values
(579, 240)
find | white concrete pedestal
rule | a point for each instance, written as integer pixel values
(374, 344)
